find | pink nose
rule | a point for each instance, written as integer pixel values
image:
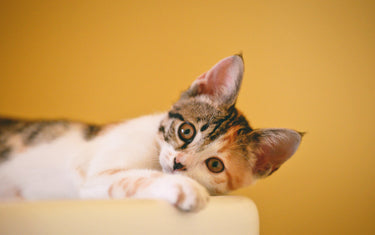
(178, 166)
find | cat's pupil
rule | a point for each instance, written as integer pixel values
(215, 164)
(186, 131)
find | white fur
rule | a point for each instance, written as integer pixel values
(127, 159)
(70, 166)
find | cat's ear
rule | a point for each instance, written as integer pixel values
(272, 147)
(221, 83)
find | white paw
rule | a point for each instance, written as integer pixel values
(183, 192)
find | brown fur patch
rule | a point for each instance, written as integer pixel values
(91, 131)
(5, 152)
(16, 135)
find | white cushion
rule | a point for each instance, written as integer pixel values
(223, 215)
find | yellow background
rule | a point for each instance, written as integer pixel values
(310, 65)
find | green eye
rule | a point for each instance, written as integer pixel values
(186, 132)
(215, 165)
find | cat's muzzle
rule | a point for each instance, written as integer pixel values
(178, 166)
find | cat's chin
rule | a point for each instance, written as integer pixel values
(166, 157)
(167, 170)
(165, 167)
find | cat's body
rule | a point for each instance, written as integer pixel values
(68, 159)
(202, 145)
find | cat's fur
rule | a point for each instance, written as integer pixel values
(202, 146)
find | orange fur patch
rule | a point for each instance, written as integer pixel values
(129, 185)
(124, 183)
(181, 196)
(18, 194)
(229, 139)
(219, 181)
(137, 185)
(230, 180)
(110, 191)
(111, 171)
(16, 143)
(81, 172)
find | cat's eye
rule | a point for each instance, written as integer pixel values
(215, 165)
(186, 132)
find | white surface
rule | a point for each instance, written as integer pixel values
(224, 215)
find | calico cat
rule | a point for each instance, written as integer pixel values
(202, 146)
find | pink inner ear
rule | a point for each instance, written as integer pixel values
(273, 149)
(270, 159)
(221, 79)
(202, 77)
(203, 87)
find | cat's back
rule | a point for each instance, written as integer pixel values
(21, 135)
(34, 152)
(50, 158)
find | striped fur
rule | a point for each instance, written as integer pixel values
(17, 135)
(202, 145)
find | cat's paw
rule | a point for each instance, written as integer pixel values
(184, 192)
(191, 196)
(181, 191)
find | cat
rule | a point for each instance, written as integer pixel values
(202, 146)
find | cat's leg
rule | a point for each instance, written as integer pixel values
(181, 191)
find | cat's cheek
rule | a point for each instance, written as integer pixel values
(166, 156)
(215, 184)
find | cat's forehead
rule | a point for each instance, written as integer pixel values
(227, 127)
(196, 110)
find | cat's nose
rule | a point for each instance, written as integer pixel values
(178, 165)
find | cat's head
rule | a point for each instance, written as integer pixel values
(205, 137)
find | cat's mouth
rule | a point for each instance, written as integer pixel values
(175, 167)
(178, 166)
